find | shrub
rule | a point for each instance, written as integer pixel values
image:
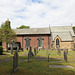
(1, 50)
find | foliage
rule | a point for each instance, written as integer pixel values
(7, 34)
(23, 27)
(1, 50)
(74, 28)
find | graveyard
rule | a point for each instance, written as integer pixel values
(43, 62)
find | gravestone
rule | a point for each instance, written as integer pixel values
(58, 50)
(15, 61)
(48, 57)
(65, 54)
(48, 54)
(35, 50)
(18, 48)
(30, 54)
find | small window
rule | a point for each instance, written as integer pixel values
(57, 41)
(27, 42)
(40, 42)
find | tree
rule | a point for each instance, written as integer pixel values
(74, 28)
(7, 34)
(23, 27)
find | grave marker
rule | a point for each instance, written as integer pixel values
(35, 50)
(30, 54)
(15, 61)
(58, 49)
(65, 54)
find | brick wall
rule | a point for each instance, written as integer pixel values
(34, 41)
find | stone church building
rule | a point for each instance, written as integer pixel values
(46, 38)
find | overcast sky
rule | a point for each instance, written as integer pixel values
(38, 13)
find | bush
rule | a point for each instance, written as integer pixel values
(1, 50)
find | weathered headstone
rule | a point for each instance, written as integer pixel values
(65, 54)
(18, 48)
(15, 61)
(35, 50)
(58, 50)
(30, 54)
(48, 57)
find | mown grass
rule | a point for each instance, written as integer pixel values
(39, 67)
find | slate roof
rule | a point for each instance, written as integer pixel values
(64, 36)
(32, 31)
(64, 32)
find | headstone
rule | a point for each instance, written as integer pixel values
(48, 54)
(18, 48)
(65, 54)
(35, 50)
(58, 50)
(30, 54)
(15, 61)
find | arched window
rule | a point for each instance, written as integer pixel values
(27, 42)
(40, 42)
(57, 41)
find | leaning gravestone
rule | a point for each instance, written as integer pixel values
(65, 54)
(15, 61)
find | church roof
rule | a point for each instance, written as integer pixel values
(64, 36)
(30, 31)
(64, 32)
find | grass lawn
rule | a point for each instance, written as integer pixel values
(38, 67)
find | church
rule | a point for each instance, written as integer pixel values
(45, 38)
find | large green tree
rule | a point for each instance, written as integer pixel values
(7, 34)
(23, 27)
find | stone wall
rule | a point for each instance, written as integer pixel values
(63, 44)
